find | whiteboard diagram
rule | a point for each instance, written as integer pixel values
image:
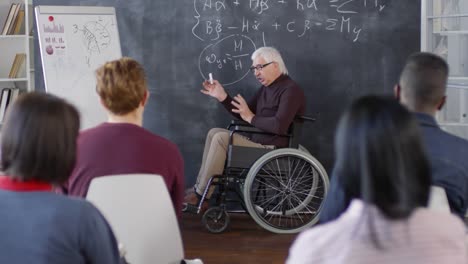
(95, 37)
(74, 41)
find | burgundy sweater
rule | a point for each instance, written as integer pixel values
(121, 148)
(275, 107)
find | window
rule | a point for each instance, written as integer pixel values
(444, 31)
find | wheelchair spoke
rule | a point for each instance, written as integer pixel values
(270, 195)
(267, 185)
(273, 209)
(277, 165)
(294, 170)
(307, 194)
(268, 200)
(292, 177)
(272, 169)
(274, 176)
(297, 213)
(300, 201)
(301, 175)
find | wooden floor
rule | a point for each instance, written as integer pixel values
(243, 242)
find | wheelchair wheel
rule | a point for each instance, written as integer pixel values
(216, 219)
(284, 190)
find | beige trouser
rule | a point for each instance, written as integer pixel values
(214, 155)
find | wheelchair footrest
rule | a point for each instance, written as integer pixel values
(190, 208)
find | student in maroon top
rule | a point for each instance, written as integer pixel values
(122, 145)
(272, 109)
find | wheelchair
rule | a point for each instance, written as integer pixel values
(282, 189)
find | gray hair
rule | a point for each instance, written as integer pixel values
(270, 54)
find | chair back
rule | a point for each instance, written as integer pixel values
(139, 210)
(438, 199)
(295, 133)
(295, 130)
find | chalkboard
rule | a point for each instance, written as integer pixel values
(336, 50)
(73, 42)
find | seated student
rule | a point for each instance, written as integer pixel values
(38, 147)
(422, 89)
(122, 145)
(380, 161)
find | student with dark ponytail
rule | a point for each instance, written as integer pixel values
(382, 166)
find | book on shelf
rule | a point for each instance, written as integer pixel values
(15, 61)
(18, 65)
(17, 27)
(14, 92)
(21, 73)
(8, 97)
(14, 21)
(4, 102)
(9, 18)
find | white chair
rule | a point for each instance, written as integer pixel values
(139, 209)
(438, 199)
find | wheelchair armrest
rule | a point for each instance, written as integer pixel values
(249, 129)
(238, 123)
(240, 126)
(244, 127)
(242, 123)
(252, 130)
(302, 118)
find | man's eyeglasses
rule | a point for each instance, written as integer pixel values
(259, 67)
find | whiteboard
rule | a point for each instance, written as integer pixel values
(74, 41)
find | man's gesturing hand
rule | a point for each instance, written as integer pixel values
(215, 90)
(242, 108)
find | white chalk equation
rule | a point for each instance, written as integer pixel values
(209, 24)
(225, 56)
(259, 19)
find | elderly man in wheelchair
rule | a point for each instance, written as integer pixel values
(276, 180)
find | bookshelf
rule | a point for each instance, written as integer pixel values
(444, 31)
(15, 42)
(10, 45)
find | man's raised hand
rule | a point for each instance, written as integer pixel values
(215, 90)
